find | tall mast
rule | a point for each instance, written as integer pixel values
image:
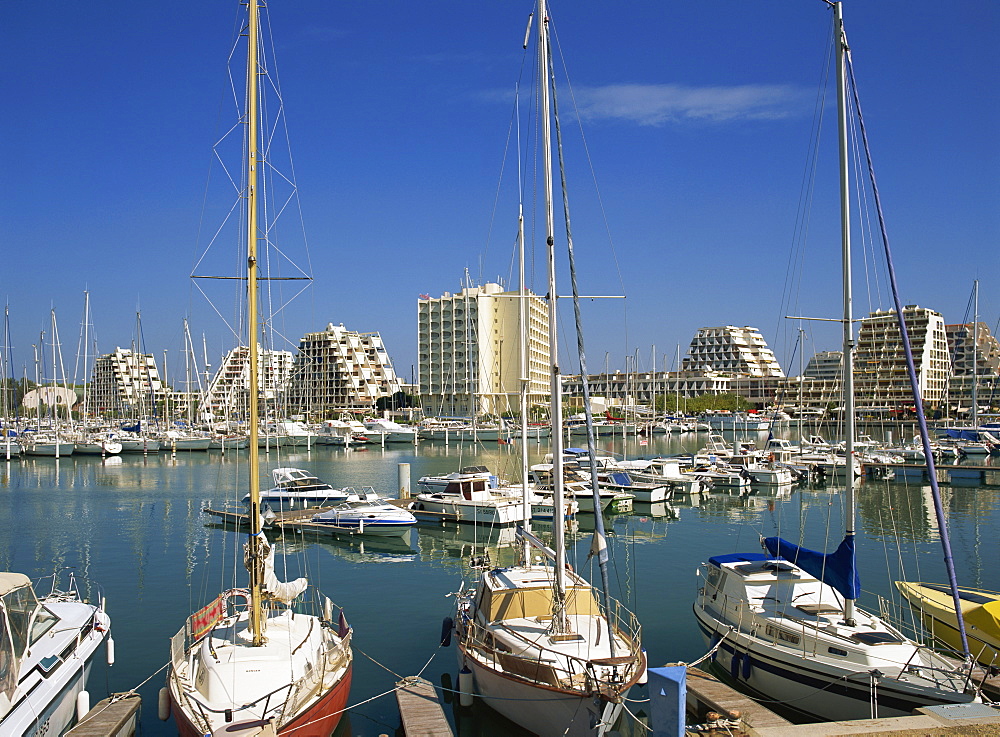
(86, 339)
(848, 321)
(255, 569)
(559, 524)
(975, 351)
(525, 378)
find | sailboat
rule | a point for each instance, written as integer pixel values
(262, 659)
(785, 621)
(543, 647)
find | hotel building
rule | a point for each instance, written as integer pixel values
(469, 351)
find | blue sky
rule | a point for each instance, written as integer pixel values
(697, 119)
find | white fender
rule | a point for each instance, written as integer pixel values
(82, 705)
(163, 704)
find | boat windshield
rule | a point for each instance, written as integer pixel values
(20, 604)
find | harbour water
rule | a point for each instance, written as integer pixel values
(135, 526)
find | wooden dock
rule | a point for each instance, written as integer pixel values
(112, 717)
(706, 693)
(947, 473)
(299, 520)
(420, 710)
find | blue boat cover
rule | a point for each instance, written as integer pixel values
(718, 560)
(962, 434)
(838, 569)
(137, 427)
(621, 478)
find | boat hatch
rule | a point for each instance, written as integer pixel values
(818, 609)
(876, 638)
(567, 637)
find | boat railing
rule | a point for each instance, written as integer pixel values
(560, 669)
(335, 656)
(63, 584)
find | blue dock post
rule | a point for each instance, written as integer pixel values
(668, 700)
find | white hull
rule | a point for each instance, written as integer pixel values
(465, 434)
(108, 448)
(808, 685)
(48, 449)
(607, 430)
(228, 444)
(140, 445)
(539, 709)
(186, 444)
(47, 704)
(485, 512)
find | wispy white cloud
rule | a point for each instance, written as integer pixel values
(656, 104)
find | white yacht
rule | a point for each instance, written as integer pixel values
(295, 488)
(391, 432)
(47, 647)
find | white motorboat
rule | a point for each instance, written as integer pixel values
(296, 488)
(391, 432)
(368, 514)
(470, 495)
(47, 648)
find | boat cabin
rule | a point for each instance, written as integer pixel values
(23, 621)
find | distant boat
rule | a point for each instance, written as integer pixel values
(368, 514)
(935, 606)
(391, 431)
(296, 488)
(47, 647)
(468, 495)
(42, 444)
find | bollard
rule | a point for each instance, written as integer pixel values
(404, 480)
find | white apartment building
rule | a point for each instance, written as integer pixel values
(340, 370)
(825, 366)
(620, 388)
(739, 351)
(469, 351)
(880, 375)
(227, 393)
(126, 384)
(974, 351)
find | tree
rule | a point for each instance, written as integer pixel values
(397, 401)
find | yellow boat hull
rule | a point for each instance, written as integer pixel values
(935, 606)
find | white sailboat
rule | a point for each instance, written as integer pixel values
(262, 659)
(544, 648)
(785, 621)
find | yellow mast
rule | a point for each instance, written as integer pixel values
(255, 566)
